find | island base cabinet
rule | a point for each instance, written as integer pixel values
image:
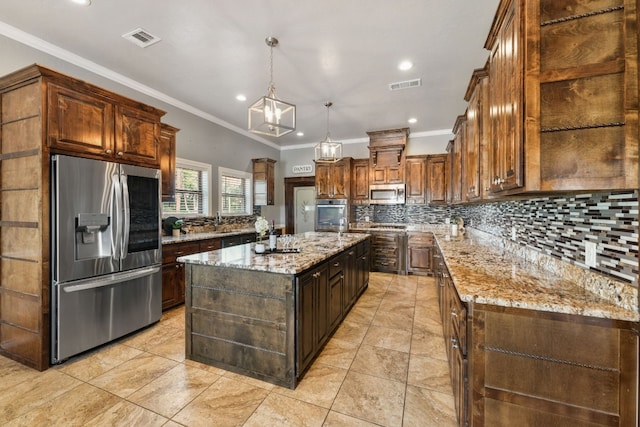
(537, 368)
(241, 321)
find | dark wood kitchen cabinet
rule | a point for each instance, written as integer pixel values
(416, 180)
(44, 112)
(333, 180)
(538, 368)
(475, 183)
(420, 253)
(563, 96)
(313, 314)
(455, 150)
(437, 179)
(387, 156)
(173, 275)
(360, 182)
(173, 272)
(86, 121)
(168, 161)
(387, 252)
(263, 181)
(453, 314)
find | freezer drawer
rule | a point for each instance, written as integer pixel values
(91, 312)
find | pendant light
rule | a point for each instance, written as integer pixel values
(327, 150)
(269, 115)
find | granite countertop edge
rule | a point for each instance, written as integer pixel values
(491, 275)
(316, 247)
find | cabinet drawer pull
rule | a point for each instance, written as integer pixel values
(120, 153)
(337, 264)
(107, 151)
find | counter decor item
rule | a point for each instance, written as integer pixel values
(176, 228)
(262, 226)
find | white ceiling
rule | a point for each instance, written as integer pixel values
(345, 51)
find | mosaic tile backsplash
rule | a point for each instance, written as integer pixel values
(557, 226)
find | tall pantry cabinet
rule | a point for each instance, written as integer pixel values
(43, 112)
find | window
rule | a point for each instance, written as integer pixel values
(192, 190)
(235, 192)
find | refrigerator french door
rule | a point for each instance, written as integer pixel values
(106, 246)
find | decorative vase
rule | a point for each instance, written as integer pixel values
(260, 248)
(175, 232)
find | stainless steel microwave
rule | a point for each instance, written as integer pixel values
(387, 194)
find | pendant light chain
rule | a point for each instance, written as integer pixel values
(272, 88)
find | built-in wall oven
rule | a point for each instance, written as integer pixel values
(106, 252)
(332, 214)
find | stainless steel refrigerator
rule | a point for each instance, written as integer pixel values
(106, 247)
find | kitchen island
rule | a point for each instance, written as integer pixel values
(268, 315)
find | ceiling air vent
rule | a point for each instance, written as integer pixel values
(141, 37)
(407, 84)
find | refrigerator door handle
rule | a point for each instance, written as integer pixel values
(127, 216)
(117, 216)
(111, 279)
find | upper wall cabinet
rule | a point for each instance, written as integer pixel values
(360, 182)
(438, 179)
(416, 178)
(387, 156)
(455, 149)
(263, 182)
(475, 185)
(563, 93)
(87, 121)
(168, 161)
(333, 180)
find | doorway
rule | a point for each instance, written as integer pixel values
(300, 203)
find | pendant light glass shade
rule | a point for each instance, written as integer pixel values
(327, 150)
(269, 115)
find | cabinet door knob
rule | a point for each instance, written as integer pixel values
(120, 153)
(107, 151)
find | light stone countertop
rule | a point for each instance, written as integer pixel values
(314, 247)
(192, 237)
(498, 275)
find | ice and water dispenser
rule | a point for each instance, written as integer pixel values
(93, 236)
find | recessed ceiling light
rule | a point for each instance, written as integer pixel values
(412, 120)
(82, 2)
(300, 133)
(241, 97)
(405, 65)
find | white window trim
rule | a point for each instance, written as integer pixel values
(206, 167)
(241, 174)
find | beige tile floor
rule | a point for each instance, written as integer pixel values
(384, 366)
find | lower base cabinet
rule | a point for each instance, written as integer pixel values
(420, 253)
(387, 252)
(512, 366)
(550, 369)
(173, 272)
(320, 300)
